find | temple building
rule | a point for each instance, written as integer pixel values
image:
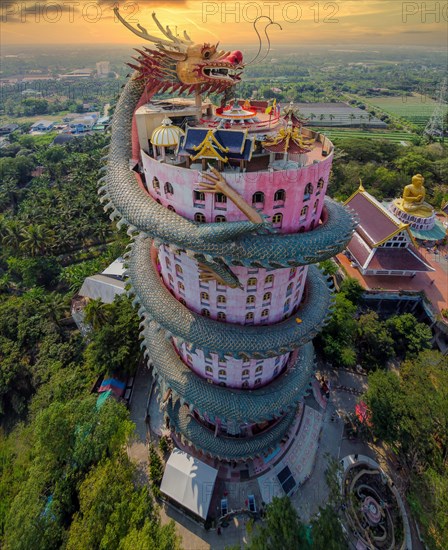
(229, 204)
(382, 243)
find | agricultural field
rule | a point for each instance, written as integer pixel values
(417, 109)
(405, 138)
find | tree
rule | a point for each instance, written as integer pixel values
(409, 336)
(96, 313)
(327, 531)
(374, 342)
(352, 289)
(37, 239)
(280, 529)
(339, 335)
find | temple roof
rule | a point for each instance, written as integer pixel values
(293, 117)
(376, 224)
(288, 140)
(166, 135)
(221, 144)
(398, 259)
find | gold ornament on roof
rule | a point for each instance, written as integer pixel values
(210, 148)
(287, 135)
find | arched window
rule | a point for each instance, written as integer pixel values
(168, 188)
(156, 183)
(180, 286)
(304, 212)
(221, 299)
(199, 217)
(220, 198)
(199, 196)
(316, 206)
(204, 296)
(308, 191)
(170, 278)
(292, 272)
(265, 313)
(258, 198)
(205, 312)
(168, 262)
(267, 297)
(279, 196)
(252, 281)
(257, 382)
(269, 280)
(250, 299)
(245, 372)
(289, 289)
(222, 372)
(245, 384)
(171, 208)
(220, 219)
(208, 368)
(259, 369)
(286, 306)
(221, 316)
(179, 269)
(277, 220)
(320, 185)
(249, 316)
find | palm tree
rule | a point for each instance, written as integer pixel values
(37, 240)
(352, 117)
(312, 116)
(321, 117)
(331, 116)
(11, 234)
(96, 314)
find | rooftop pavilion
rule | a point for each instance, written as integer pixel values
(241, 136)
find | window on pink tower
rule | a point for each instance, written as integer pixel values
(267, 297)
(308, 191)
(170, 279)
(259, 369)
(205, 312)
(181, 287)
(204, 297)
(316, 206)
(245, 384)
(277, 220)
(245, 374)
(220, 219)
(250, 300)
(320, 185)
(222, 373)
(269, 281)
(168, 188)
(208, 368)
(279, 197)
(199, 217)
(171, 208)
(221, 299)
(265, 314)
(258, 199)
(220, 200)
(289, 289)
(286, 306)
(167, 263)
(252, 282)
(304, 212)
(292, 272)
(179, 269)
(257, 382)
(156, 184)
(198, 196)
(221, 316)
(249, 317)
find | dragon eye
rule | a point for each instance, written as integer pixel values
(207, 54)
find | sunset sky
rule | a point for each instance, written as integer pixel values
(375, 22)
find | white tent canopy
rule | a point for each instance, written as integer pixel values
(189, 482)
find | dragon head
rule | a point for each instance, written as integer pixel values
(180, 64)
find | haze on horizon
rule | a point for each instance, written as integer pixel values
(347, 22)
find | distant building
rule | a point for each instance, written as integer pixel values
(42, 126)
(8, 129)
(382, 244)
(103, 68)
(82, 124)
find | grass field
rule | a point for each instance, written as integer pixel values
(417, 108)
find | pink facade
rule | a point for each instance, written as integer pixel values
(292, 199)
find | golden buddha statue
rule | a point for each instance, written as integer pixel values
(413, 200)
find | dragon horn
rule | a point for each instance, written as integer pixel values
(167, 32)
(141, 32)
